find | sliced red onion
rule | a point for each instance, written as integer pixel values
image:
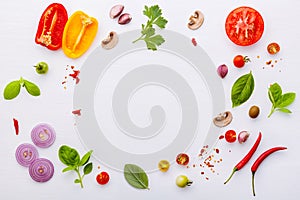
(41, 170)
(26, 154)
(43, 135)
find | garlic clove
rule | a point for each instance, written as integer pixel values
(124, 19)
(115, 11)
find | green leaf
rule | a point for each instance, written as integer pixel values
(153, 12)
(68, 156)
(77, 181)
(136, 176)
(12, 90)
(242, 89)
(32, 88)
(88, 168)
(160, 22)
(284, 110)
(85, 158)
(275, 93)
(69, 168)
(286, 100)
(148, 32)
(154, 41)
(147, 12)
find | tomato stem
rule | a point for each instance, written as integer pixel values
(233, 171)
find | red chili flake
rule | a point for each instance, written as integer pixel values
(77, 112)
(202, 173)
(206, 178)
(16, 125)
(98, 166)
(72, 67)
(269, 62)
(194, 41)
(194, 165)
(75, 74)
(217, 151)
(64, 82)
(221, 137)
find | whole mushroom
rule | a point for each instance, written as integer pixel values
(223, 119)
(111, 41)
(196, 20)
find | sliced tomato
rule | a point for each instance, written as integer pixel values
(244, 26)
(51, 26)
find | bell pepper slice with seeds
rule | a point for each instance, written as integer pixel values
(51, 26)
(79, 34)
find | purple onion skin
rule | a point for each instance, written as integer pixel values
(41, 170)
(27, 150)
(42, 127)
(124, 19)
(222, 70)
(115, 11)
(243, 136)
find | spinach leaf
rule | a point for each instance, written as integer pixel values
(242, 89)
(136, 176)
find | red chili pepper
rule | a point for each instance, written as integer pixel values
(259, 161)
(16, 125)
(245, 160)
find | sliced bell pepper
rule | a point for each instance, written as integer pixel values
(79, 34)
(51, 26)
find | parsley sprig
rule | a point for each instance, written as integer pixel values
(155, 17)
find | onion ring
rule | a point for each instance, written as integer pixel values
(26, 153)
(43, 135)
(41, 170)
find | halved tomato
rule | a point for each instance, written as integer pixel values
(51, 26)
(244, 26)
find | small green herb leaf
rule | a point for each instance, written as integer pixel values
(280, 101)
(242, 89)
(77, 181)
(69, 168)
(136, 176)
(284, 110)
(160, 22)
(88, 168)
(286, 100)
(32, 88)
(85, 158)
(12, 90)
(68, 156)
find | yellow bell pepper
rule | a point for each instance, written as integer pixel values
(79, 33)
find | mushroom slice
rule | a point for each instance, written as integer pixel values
(223, 119)
(196, 20)
(111, 41)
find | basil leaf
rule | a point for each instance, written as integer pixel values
(88, 168)
(32, 88)
(284, 110)
(12, 90)
(136, 176)
(286, 100)
(275, 92)
(69, 168)
(85, 158)
(68, 156)
(242, 89)
(77, 181)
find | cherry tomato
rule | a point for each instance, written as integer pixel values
(163, 165)
(244, 26)
(239, 61)
(230, 136)
(51, 26)
(102, 178)
(182, 159)
(273, 48)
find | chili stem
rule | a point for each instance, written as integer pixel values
(233, 171)
(253, 190)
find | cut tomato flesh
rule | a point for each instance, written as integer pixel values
(244, 26)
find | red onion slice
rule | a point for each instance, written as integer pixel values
(41, 170)
(26, 154)
(43, 135)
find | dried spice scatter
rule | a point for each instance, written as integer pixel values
(73, 73)
(77, 112)
(194, 42)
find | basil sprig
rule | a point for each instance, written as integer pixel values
(280, 101)
(70, 157)
(242, 89)
(12, 89)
